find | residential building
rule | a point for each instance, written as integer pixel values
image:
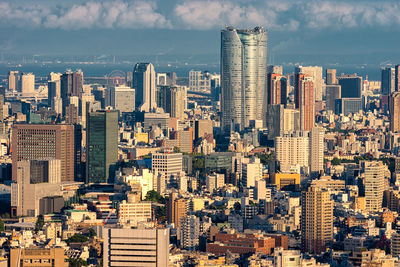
(13, 81)
(27, 83)
(304, 100)
(394, 112)
(374, 185)
(133, 213)
(190, 232)
(176, 209)
(315, 72)
(38, 256)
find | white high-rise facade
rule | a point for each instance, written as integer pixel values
(316, 73)
(252, 172)
(293, 150)
(243, 77)
(144, 83)
(317, 149)
(374, 185)
(28, 83)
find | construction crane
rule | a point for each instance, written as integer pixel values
(108, 216)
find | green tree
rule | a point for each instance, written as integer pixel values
(39, 223)
(77, 238)
(335, 161)
(237, 206)
(92, 232)
(76, 262)
(2, 228)
(154, 196)
(177, 149)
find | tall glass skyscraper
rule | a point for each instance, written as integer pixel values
(243, 74)
(144, 82)
(102, 146)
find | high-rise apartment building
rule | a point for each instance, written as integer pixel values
(44, 141)
(13, 81)
(281, 120)
(71, 85)
(202, 128)
(293, 150)
(374, 185)
(317, 149)
(102, 146)
(315, 72)
(388, 79)
(173, 100)
(122, 98)
(243, 77)
(144, 83)
(176, 209)
(136, 247)
(27, 83)
(316, 219)
(394, 112)
(276, 89)
(190, 232)
(252, 172)
(331, 77)
(351, 85)
(333, 92)
(304, 100)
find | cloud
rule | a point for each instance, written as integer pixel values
(286, 15)
(110, 14)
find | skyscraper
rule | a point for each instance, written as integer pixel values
(351, 85)
(316, 219)
(13, 80)
(276, 89)
(53, 92)
(122, 98)
(102, 146)
(394, 112)
(317, 149)
(176, 209)
(27, 83)
(173, 100)
(331, 77)
(333, 92)
(44, 141)
(304, 100)
(243, 72)
(315, 72)
(387, 80)
(144, 83)
(374, 185)
(397, 78)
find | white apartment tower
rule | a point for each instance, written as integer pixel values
(374, 185)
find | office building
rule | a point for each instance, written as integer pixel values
(165, 78)
(176, 209)
(185, 140)
(133, 213)
(304, 100)
(190, 232)
(281, 120)
(274, 69)
(331, 77)
(50, 142)
(122, 98)
(243, 77)
(348, 106)
(144, 83)
(395, 245)
(252, 172)
(102, 146)
(351, 85)
(38, 256)
(397, 78)
(388, 79)
(173, 100)
(136, 247)
(167, 163)
(71, 85)
(13, 81)
(315, 72)
(27, 83)
(316, 220)
(215, 181)
(276, 89)
(333, 92)
(54, 92)
(33, 182)
(317, 149)
(374, 185)
(394, 112)
(199, 81)
(152, 120)
(202, 128)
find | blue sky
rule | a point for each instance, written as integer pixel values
(338, 31)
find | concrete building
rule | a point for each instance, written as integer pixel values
(252, 172)
(395, 245)
(122, 98)
(136, 247)
(27, 83)
(199, 81)
(190, 232)
(276, 89)
(176, 209)
(317, 149)
(243, 77)
(34, 182)
(51, 142)
(13, 81)
(133, 213)
(281, 120)
(215, 181)
(38, 256)
(388, 80)
(374, 185)
(351, 85)
(173, 99)
(144, 83)
(287, 258)
(102, 146)
(305, 100)
(293, 149)
(394, 112)
(348, 106)
(166, 165)
(331, 77)
(316, 220)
